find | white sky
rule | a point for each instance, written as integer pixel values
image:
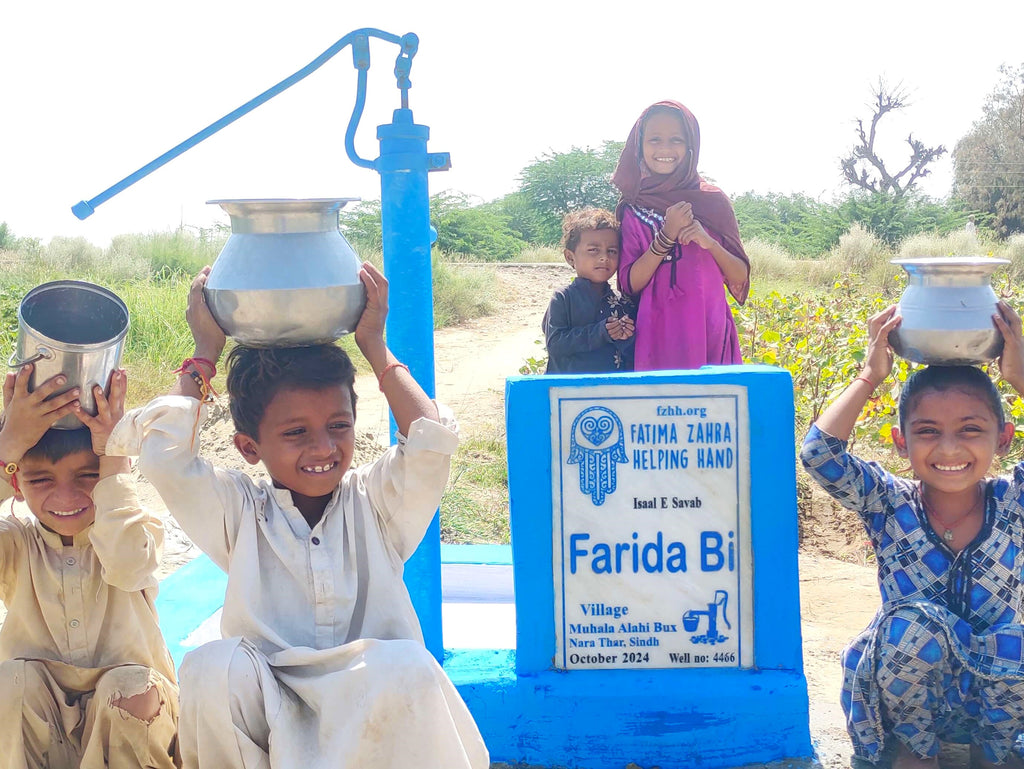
(91, 91)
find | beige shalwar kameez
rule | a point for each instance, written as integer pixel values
(81, 632)
(323, 666)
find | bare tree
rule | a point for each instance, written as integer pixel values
(864, 168)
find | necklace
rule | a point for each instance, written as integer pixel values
(948, 534)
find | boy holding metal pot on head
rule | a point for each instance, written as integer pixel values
(85, 677)
(323, 663)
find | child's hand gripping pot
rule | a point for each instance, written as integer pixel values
(407, 400)
(109, 410)
(1011, 362)
(27, 415)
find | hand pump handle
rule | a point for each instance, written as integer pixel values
(360, 42)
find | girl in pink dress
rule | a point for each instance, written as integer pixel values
(680, 246)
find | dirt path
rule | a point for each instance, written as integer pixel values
(471, 361)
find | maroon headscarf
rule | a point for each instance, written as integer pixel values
(642, 188)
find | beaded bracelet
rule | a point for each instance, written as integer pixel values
(196, 377)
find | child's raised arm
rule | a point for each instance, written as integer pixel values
(208, 336)
(127, 540)
(407, 400)
(839, 418)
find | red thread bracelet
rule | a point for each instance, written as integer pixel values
(387, 368)
(195, 362)
(199, 376)
(865, 379)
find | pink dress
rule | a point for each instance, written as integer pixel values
(683, 320)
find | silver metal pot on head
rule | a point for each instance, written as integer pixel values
(73, 328)
(286, 277)
(947, 311)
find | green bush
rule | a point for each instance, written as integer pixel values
(461, 293)
(72, 256)
(797, 223)
(893, 219)
(559, 182)
(360, 224)
(9, 242)
(1013, 249)
(167, 253)
(771, 264)
(477, 231)
(521, 218)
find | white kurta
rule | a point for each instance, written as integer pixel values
(302, 599)
(82, 631)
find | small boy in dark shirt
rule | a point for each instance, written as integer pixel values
(588, 328)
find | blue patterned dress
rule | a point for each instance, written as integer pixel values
(943, 659)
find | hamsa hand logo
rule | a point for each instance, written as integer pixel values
(597, 444)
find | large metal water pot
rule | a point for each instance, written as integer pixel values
(73, 328)
(947, 311)
(286, 277)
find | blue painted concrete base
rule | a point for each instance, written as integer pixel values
(670, 719)
(583, 719)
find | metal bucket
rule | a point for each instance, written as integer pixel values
(73, 328)
(947, 311)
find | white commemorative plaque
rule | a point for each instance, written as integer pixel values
(652, 564)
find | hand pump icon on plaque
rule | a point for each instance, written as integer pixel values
(691, 620)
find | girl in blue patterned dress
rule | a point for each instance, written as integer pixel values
(943, 659)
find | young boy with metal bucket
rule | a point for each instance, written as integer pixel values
(322, 664)
(85, 677)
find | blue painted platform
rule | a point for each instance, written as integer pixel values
(478, 609)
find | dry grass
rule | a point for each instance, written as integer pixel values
(540, 254)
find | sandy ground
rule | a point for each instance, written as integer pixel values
(837, 583)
